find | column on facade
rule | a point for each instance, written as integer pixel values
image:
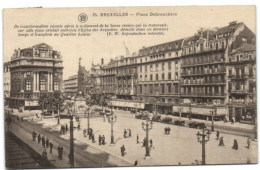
(132, 85)
(219, 90)
(48, 82)
(34, 81)
(51, 77)
(37, 82)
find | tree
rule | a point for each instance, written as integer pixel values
(51, 101)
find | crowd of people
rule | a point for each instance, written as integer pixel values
(46, 143)
(235, 143)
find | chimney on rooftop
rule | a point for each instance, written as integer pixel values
(102, 61)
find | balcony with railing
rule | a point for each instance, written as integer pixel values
(203, 72)
(203, 94)
(203, 82)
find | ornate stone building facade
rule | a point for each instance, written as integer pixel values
(34, 71)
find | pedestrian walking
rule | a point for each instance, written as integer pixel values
(61, 129)
(66, 126)
(235, 145)
(93, 138)
(125, 133)
(221, 142)
(44, 154)
(39, 138)
(90, 133)
(99, 139)
(137, 138)
(43, 142)
(47, 142)
(151, 143)
(34, 134)
(123, 150)
(248, 143)
(168, 130)
(61, 151)
(103, 140)
(129, 131)
(144, 142)
(217, 135)
(51, 146)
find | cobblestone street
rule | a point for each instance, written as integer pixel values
(180, 147)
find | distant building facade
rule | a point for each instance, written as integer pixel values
(71, 86)
(7, 82)
(189, 73)
(34, 71)
(241, 83)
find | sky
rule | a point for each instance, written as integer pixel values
(188, 21)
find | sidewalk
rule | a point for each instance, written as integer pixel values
(89, 157)
(236, 128)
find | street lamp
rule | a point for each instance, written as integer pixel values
(202, 139)
(180, 109)
(147, 126)
(88, 113)
(212, 112)
(71, 140)
(112, 121)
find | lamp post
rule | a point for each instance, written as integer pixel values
(147, 126)
(112, 121)
(88, 113)
(180, 109)
(71, 140)
(201, 137)
(212, 112)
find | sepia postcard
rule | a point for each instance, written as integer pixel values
(129, 86)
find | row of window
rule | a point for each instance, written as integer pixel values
(240, 72)
(157, 66)
(156, 88)
(28, 86)
(240, 86)
(162, 76)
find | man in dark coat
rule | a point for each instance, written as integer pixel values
(235, 145)
(99, 139)
(137, 138)
(43, 142)
(129, 131)
(103, 140)
(47, 142)
(34, 134)
(123, 150)
(217, 135)
(221, 142)
(66, 127)
(44, 154)
(151, 143)
(51, 146)
(39, 138)
(125, 132)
